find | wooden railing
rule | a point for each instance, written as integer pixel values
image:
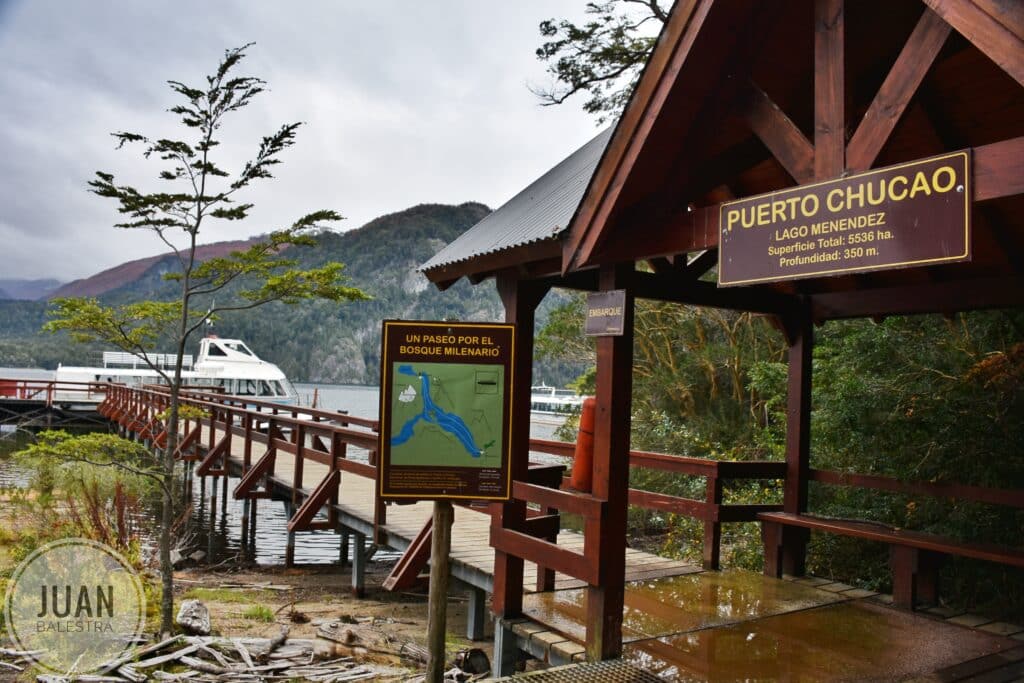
(712, 511)
(52, 391)
(265, 429)
(323, 436)
(977, 494)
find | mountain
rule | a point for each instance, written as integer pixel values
(27, 290)
(312, 341)
(127, 273)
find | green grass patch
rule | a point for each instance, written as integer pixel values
(228, 595)
(259, 613)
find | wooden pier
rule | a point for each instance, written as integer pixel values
(322, 465)
(677, 617)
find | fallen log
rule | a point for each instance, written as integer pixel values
(163, 659)
(274, 643)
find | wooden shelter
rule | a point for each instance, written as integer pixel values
(741, 99)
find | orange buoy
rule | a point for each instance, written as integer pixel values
(583, 461)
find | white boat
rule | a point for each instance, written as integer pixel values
(545, 399)
(224, 364)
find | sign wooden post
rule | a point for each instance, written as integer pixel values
(445, 410)
(437, 605)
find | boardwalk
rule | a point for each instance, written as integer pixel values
(681, 621)
(472, 556)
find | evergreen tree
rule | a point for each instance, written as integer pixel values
(196, 191)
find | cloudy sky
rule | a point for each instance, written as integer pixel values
(404, 102)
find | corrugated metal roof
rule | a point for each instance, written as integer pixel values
(542, 211)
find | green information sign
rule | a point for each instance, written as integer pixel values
(445, 391)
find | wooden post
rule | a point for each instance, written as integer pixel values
(520, 299)
(712, 527)
(358, 564)
(476, 613)
(343, 547)
(247, 452)
(798, 439)
(437, 606)
(611, 475)
(252, 526)
(289, 549)
(245, 521)
(798, 413)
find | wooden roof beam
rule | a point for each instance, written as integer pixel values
(999, 169)
(935, 297)
(676, 288)
(779, 134)
(686, 20)
(899, 88)
(829, 89)
(997, 29)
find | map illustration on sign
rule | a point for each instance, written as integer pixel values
(447, 414)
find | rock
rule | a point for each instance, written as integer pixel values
(194, 618)
(473, 661)
(176, 556)
(197, 556)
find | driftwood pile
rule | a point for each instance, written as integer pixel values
(361, 637)
(16, 660)
(206, 659)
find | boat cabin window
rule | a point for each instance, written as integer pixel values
(239, 347)
(214, 350)
(278, 389)
(246, 387)
(265, 389)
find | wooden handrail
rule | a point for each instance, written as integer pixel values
(46, 389)
(277, 426)
(979, 494)
(245, 401)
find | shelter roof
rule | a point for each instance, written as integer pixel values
(538, 215)
(742, 98)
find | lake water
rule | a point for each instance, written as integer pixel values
(216, 518)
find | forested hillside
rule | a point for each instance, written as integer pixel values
(313, 341)
(27, 290)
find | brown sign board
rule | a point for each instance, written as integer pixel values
(445, 397)
(606, 313)
(911, 214)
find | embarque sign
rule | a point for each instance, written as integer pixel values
(911, 214)
(445, 396)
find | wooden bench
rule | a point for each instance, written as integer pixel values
(914, 556)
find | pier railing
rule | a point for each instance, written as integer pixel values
(261, 430)
(712, 510)
(265, 429)
(50, 392)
